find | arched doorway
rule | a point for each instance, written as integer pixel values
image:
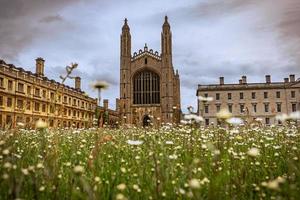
(146, 121)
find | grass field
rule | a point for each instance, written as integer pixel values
(169, 163)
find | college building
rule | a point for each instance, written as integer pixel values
(250, 100)
(149, 85)
(27, 97)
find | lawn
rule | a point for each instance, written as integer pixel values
(180, 162)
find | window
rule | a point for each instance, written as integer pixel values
(254, 106)
(218, 107)
(253, 94)
(146, 88)
(20, 87)
(278, 107)
(206, 109)
(265, 95)
(293, 94)
(28, 90)
(10, 85)
(266, 107)
(207, 122)
(20, 103)
(294, 107)
(217, 96)
(242, 108)
(74, 102)
(52, 95)
(9, 102)
(44, 94)
(267, 120)
(44, 108)
(65, 99)
(230, 108)
(241, 95)
(1, 82)
(277, 94)
(28, 105)
(36, 106)
(1, 100)
(52, 109)
(146, 61)
(37, 92)
(8, 120)
(206, 95)
(229, 96)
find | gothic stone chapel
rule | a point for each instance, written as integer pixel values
(149, 87)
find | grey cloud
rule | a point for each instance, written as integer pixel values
(18, 27)
(51, 18)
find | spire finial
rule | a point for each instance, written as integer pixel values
(166, 18)
(145, 47)
(125, 20)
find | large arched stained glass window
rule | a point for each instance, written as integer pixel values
(146, 88)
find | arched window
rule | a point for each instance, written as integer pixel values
(146, 88)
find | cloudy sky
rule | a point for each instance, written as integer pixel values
(211, 38)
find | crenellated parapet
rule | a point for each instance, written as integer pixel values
(146, 51)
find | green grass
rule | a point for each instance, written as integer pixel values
(172, 163)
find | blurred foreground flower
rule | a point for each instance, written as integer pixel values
(193, 117)
(235, 121)
(100, 85)
(194, 183)
(224, 114)
(295, 115)
(207, 99)
(40, 124)
(253, 152)
(134, 142)
(274, 184)
(78, 169)
(20, 124)
(292, 116)
(121, 186)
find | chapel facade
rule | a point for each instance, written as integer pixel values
(149, 86)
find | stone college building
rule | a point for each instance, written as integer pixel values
(250, 100)
(26, 97)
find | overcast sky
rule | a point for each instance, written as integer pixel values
(211, 38)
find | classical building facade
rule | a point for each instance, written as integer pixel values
(149, 87)
(250, 100)
(27, 97)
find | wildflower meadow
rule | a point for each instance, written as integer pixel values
(172, 162)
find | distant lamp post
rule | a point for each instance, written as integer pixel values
(100, 85)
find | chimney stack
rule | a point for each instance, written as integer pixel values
(40, 64)
(105, 104)
(117, 104)
(268, 79)
(244, 79)
(77, 83)
(286, 80)
(292, 78)
(221, 80)
(240, 81)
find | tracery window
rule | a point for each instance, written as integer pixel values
(146, 88)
